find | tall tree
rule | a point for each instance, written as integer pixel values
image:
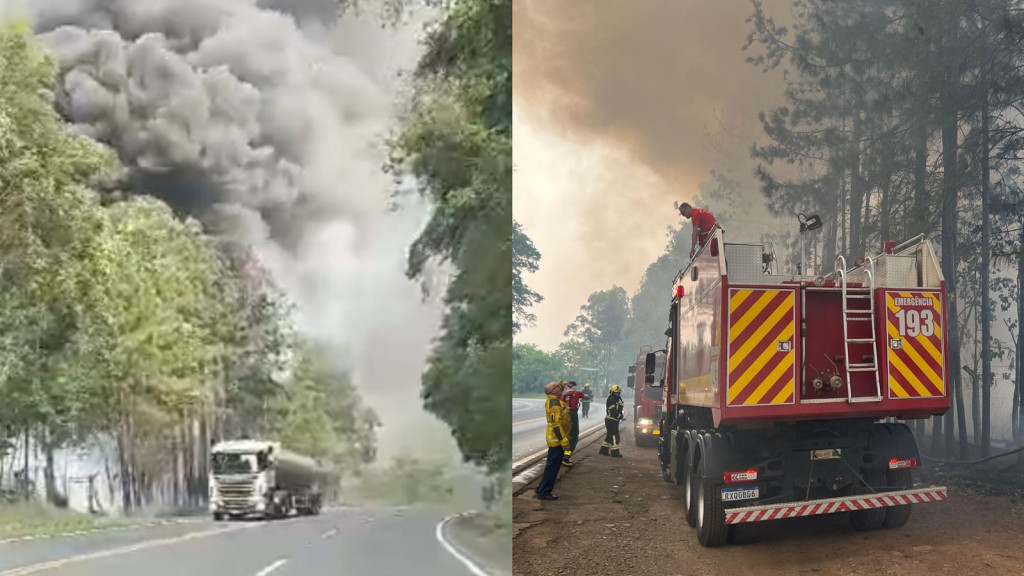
(600, 326)
(525, 258)
(457, 141)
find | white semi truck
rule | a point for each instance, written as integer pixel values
(257, 477)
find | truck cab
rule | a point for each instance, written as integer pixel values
(257, 477)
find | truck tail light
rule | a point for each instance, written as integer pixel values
(900, 464)
(731, 477)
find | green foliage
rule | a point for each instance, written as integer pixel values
(125, 322)
(525, 258)
(600, 329)
(319, 412)
(457, 141)
(533, 368)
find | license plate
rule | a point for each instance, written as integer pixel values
(825, 454)
(742, 493)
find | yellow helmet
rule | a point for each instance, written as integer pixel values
(616, 389)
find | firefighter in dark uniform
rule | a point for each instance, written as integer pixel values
(614, 414)
(586, 401)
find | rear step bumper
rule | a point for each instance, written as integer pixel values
(834, 505)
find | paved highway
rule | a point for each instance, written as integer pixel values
(338, 542)
(528, 425)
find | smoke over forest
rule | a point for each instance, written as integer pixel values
(267, 122)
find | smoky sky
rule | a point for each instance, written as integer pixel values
(653, 76)
(267, 120)
(645, 99)
(223, 106)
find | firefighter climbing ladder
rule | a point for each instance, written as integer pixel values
(859, 315)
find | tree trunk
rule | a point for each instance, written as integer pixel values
(986, 296)
(176, 450)
(204, 459)
(919, 219)
(843, 211)
(125, 477)
(883, 225)
(950, 187)
(49, 474)
(828, 256)
(28, 485)
(976, 387)
(856, 194)
(1020, 341)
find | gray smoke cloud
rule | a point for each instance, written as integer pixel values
(222, 106)
(266, 120)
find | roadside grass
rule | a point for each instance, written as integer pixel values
(23, 519)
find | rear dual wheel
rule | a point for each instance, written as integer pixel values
(897, 516)
(872, 518)
(689, 491)
(710, 512)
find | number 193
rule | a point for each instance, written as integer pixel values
(915, 323)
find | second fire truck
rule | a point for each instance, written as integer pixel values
(648, 398)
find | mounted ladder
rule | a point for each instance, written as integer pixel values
(851, 315)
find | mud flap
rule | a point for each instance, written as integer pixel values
(887, 441)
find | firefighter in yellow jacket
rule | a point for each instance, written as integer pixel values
(557, 436)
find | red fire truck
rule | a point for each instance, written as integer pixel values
(648, 398)
(783, 391)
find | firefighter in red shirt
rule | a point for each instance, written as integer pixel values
(702, 221)
(572, 397)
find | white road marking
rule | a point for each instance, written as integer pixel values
(272, 567)
(114, 528)
(329, 533)
(583, 434)
(32, 569)
(439, 533)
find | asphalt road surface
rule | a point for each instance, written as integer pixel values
(528, 425)
(336, 543)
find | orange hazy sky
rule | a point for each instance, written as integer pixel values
(619, 108)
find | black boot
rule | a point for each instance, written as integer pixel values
(603, 451)
(616, 454)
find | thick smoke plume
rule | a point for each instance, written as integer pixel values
(266, 120)
(623, 108)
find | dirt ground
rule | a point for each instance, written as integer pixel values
(617, 516)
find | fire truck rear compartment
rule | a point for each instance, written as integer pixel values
(824, 351)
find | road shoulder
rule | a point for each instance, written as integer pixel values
(618, 514)
(483, 547)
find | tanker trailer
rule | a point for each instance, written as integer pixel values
(256, 477)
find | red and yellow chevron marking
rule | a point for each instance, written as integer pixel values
(834, 505)
(762, 371)
(914, 327)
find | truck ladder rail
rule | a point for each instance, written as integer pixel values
(857, 314)
(834, 505)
